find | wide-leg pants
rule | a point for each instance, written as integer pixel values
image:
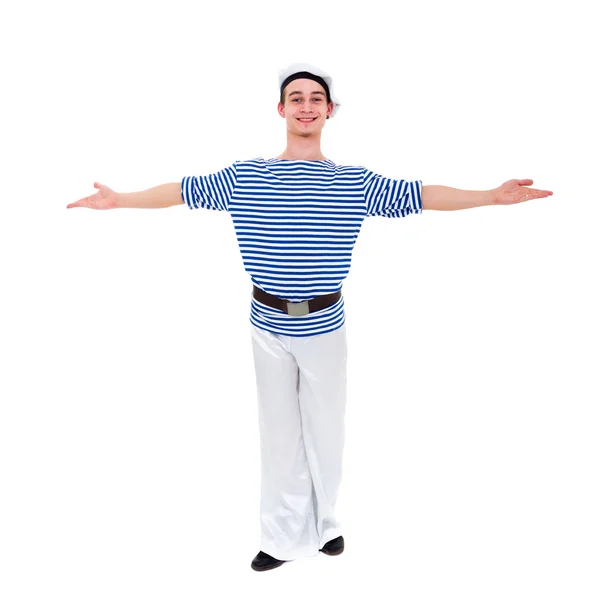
(301, 385)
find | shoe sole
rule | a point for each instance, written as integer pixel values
(275, 565)
(269, 567)
(332, 553)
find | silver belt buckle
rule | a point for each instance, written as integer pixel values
(297, 309)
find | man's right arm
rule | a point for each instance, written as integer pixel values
(211, 191)
(161, 196)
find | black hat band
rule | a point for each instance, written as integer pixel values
(306, 75)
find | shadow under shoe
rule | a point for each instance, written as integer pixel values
(264, 562)
(333, 547)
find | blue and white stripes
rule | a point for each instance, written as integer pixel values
(296, 223)
(210, 191)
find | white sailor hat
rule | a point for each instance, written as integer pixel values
(288, 72)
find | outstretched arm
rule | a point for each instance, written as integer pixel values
(440, 197)
(161, 196)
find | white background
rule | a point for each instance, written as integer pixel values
(129, 447)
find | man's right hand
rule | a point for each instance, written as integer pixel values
(103, 199)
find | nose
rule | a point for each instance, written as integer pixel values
(305, 107)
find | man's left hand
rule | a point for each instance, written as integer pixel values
(514, 192)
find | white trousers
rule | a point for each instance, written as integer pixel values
(301, 384)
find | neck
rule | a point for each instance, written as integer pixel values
(303, 148)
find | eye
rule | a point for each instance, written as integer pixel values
(317, 99)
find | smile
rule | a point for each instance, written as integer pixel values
(307, 120)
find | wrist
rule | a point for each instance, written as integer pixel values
(120, 200)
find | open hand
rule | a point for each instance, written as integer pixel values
(103, 199)
(513, 192)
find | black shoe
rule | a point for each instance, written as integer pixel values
(264, 562)
(334, 547)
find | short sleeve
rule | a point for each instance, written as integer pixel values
(209, 191)
(392, 198)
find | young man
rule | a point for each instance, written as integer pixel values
(297, 218)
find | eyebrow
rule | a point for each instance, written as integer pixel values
(292, 93)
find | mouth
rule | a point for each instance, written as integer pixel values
(307, 120)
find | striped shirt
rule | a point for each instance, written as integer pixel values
(296, 223)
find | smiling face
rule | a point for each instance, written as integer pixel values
(305, 107)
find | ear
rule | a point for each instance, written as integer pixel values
(329, 109)
(280, 109)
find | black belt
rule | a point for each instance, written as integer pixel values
(296, 309)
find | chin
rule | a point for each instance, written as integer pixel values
(312, 129)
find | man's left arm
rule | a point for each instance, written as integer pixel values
(440, 197)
